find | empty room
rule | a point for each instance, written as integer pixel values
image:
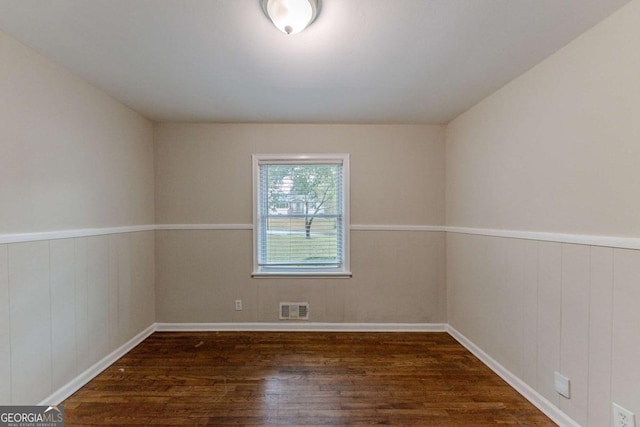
(320, 212)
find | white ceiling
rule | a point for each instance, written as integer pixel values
(362, 61)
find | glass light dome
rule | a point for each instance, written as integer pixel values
(291, 16)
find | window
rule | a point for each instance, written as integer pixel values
(301, 215)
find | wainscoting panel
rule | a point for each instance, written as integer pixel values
(63, 313)
(549, 317)
(98, 296)
(5, 329)
(587, 319)
(65, 304)
(625, 375)
(30, 297)
(600, 338)
(574, 345)
(82, 304)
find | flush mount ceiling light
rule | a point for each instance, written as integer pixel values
(291, 16)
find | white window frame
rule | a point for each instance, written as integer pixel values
(345, 271)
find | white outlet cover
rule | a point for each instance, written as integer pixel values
(622, 417)
(562, 384)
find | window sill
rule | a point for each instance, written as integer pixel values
(296, 274)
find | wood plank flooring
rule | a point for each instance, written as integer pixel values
(299, 379)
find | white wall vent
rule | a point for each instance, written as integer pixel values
(294, 311)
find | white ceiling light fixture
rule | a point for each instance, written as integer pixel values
(291, 16)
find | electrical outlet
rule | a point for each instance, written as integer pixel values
(238, 304)
(562, 384)
(622, 417)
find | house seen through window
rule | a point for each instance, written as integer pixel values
(301, 214)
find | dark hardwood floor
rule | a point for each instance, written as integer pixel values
(299, 378)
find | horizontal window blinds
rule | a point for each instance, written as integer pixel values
(300, 215)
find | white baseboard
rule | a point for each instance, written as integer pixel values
(75, 384)
(304, 326)
(548, 408)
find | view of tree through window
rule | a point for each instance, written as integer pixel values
(301, 215)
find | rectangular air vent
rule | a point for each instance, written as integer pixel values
(294, 311)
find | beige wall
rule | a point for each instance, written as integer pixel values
(556, 150)
(70, 158)
(203, 171)
(397, 277)
(203, 176)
